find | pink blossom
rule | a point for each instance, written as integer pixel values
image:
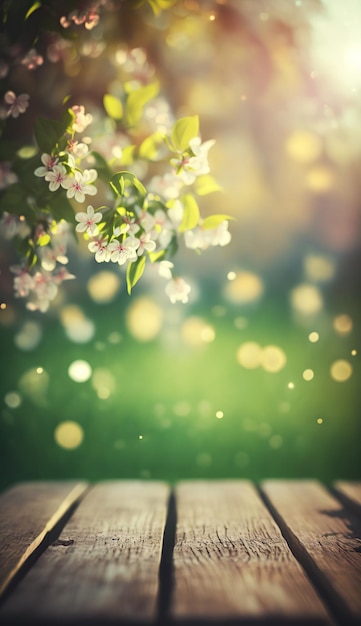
(77, 148)
(23, 282)
(15, 104)
(7, 177)
(89, 17)
(61, 275)
(51, 254)
(82, 119)
(32, 59)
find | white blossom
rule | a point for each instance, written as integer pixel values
(188, 167)
(82, 119)
(7, 177)
(145, 243)
(123, 251)
(57, 177)
(88, 221)
(48, 164)
(177, 290)
(80, 185)
(99, 247)
(165, 269)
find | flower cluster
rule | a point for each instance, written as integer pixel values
(89, 17)
(144, 188)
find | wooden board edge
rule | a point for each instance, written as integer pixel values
(340, 489)
(41, 541)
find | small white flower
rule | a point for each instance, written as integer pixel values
(7, 177)
(23, 284)
(8, 225)
(78, 186)
(165, 268)
(57, 177)
(48, 164)
(100, 248)
(78, 148)
(82, 119)
(199, 239)
(177, 290)
(88, 221)
(167, 186)
(123, 251)
(145, 243)
(189, 167)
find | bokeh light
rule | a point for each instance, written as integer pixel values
(249, 355)
(69, 435)
(273, 359)
(103, 287)
(79, 371)
(244, 287)
(144, 319)
(341, 370)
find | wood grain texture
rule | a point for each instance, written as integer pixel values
(325, 537)
(231, 563)
(350, 493)
(104, 567)
(28, 514)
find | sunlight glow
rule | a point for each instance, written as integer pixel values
(79, 371)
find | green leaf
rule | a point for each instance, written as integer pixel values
(27, 152)
(159, 5)
(49, 132)
(127, 155)
(191, 213)
(150, 146)
(119, 180)
(134, 272)
(34, 7)
(61, 208)
(43, 239)
(156, 256)
(185, 129)
(136, 101)
(113, 106)
(101, 166)
(215, 220)
(206, 184)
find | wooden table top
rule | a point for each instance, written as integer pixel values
(202, 552)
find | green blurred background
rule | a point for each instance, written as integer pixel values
(258, 375)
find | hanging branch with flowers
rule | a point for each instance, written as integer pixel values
(65, 183)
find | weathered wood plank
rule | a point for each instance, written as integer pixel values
(350, 493)
(29, 512)
(104, 567)
(325, 537)
(231, 563)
